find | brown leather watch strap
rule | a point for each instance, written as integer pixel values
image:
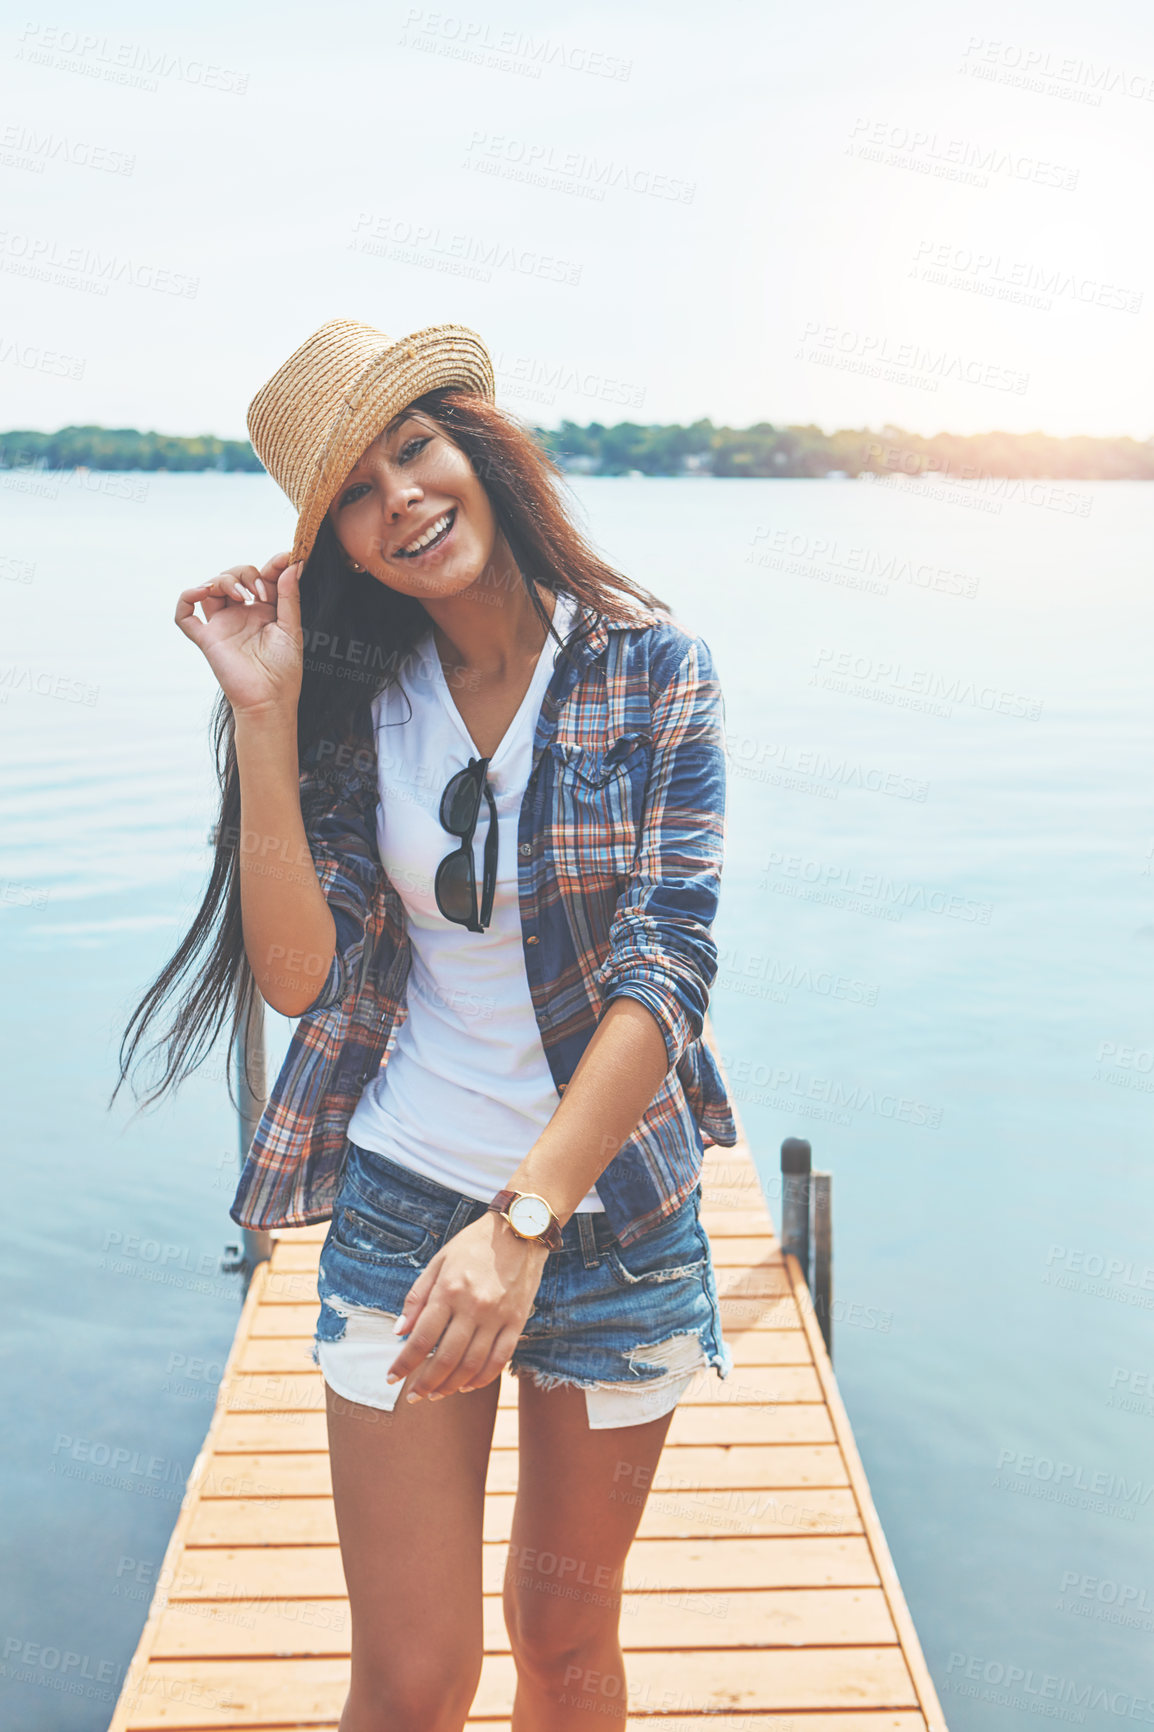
(551, 1237)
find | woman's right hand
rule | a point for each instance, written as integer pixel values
(254, 646)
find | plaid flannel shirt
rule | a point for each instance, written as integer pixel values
(620, 849)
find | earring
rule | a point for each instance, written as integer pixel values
(355, 566)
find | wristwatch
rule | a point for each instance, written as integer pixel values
(529, 1216)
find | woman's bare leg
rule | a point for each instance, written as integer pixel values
(409, 1494)
(580, 1498)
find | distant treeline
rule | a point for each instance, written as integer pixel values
(122, 448)
(630, 448)
(806, 451)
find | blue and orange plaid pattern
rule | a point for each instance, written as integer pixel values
(620, 848)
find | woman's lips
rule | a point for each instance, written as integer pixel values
(432, 546)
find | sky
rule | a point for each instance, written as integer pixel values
(830, 214)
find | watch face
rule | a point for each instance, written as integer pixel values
(530, 1215)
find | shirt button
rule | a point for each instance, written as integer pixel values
(532, 938)
(525, 848)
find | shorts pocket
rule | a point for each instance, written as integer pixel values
(675, 1250)
(395, 1241)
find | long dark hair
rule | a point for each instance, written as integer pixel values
(340, 607)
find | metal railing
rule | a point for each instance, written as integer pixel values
(807, 1227)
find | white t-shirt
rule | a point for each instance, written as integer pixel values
(467, 1088)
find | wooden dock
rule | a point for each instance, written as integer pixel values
(759, 1593)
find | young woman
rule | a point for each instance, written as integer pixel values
(483, 876)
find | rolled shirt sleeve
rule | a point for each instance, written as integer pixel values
(662, 950)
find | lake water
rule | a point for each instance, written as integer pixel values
(936, 938)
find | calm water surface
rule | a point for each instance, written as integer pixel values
(936, 939)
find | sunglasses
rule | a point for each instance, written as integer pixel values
(455, 884)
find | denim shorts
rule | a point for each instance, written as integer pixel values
(631, 1326)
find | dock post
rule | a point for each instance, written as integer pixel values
(823, 1257)
(807, 1227)
(252, 1092)
(796, 1158)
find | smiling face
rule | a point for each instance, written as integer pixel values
(413, 513)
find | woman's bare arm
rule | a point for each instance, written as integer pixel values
(251, 637)
(616, 1078)
(289, 933)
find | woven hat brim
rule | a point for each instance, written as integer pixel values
(433, 359)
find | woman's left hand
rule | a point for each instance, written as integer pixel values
(471, 1304)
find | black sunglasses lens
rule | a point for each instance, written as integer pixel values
(459, 803)
(454, 887)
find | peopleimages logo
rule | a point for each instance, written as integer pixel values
(1026, 281)
(755, 969)
(795, 766)
(540, 380)
(1046, 1693)
(868, 892)
(120, 62)
(46, 685)
(1029, 67)
(84, 268)
(24, 147)
(1099, 1482)
(507, 50)
(873, 354)
(14, 353)
(959, 159)
(570, 170)
(426, 244)
(914, 687)
(1101, 1590)
(788, 1087)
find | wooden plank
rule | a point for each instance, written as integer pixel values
(286, 1320)
(252, 1628)
(854, 1720)
(306, 1474)
(766, 1281)
(746, 1252)
(247, 1521)
(255, 1432)
(241, 1693)
(722, 1224)
(699, 1565)
(739, 1313)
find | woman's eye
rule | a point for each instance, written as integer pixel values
(408, 451)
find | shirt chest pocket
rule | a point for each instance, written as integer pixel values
(598, 806)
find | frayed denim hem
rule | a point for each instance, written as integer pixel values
(674, 1364)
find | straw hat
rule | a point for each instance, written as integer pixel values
(311, 421)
